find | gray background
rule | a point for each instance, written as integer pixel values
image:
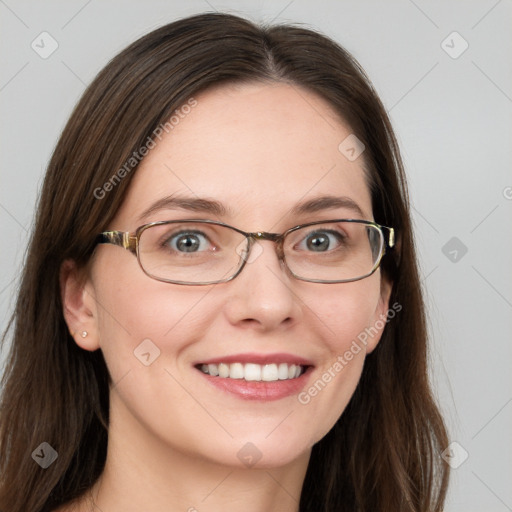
(452, 114)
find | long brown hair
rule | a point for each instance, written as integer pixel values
(383, 453)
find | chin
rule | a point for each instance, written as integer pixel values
(260, 453)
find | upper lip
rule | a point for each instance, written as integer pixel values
(258, 359)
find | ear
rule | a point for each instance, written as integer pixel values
(79, 306)
(380, 317)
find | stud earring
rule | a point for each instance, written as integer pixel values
(84, 334)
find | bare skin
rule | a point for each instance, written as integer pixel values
(174, 439)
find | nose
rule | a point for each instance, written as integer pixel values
(262, 296)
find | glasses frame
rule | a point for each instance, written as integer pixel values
(130, 241)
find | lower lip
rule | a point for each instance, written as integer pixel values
(260, 390)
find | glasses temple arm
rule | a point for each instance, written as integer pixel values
(391, 237)
(123, 239)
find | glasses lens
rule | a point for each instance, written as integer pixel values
(191, 252)
(334, 251)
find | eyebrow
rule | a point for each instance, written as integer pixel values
(193, 204)
(203, 205)
(327, 203)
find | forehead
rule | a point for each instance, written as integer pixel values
(257, 148)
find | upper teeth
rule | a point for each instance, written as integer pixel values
(252, 371)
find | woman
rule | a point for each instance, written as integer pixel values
(220, 307)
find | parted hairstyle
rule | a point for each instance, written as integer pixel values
(383, 453)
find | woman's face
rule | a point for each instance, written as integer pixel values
(260, 151)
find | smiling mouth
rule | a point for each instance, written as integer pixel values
(254, 372)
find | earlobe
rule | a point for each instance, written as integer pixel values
(78, 307)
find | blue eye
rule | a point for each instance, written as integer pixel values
(188, 241)
(321, 241)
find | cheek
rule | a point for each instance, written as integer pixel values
(140, 315)
(347, 310)
(343, 313)
(145, 327)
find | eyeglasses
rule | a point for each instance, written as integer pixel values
(203, 252)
